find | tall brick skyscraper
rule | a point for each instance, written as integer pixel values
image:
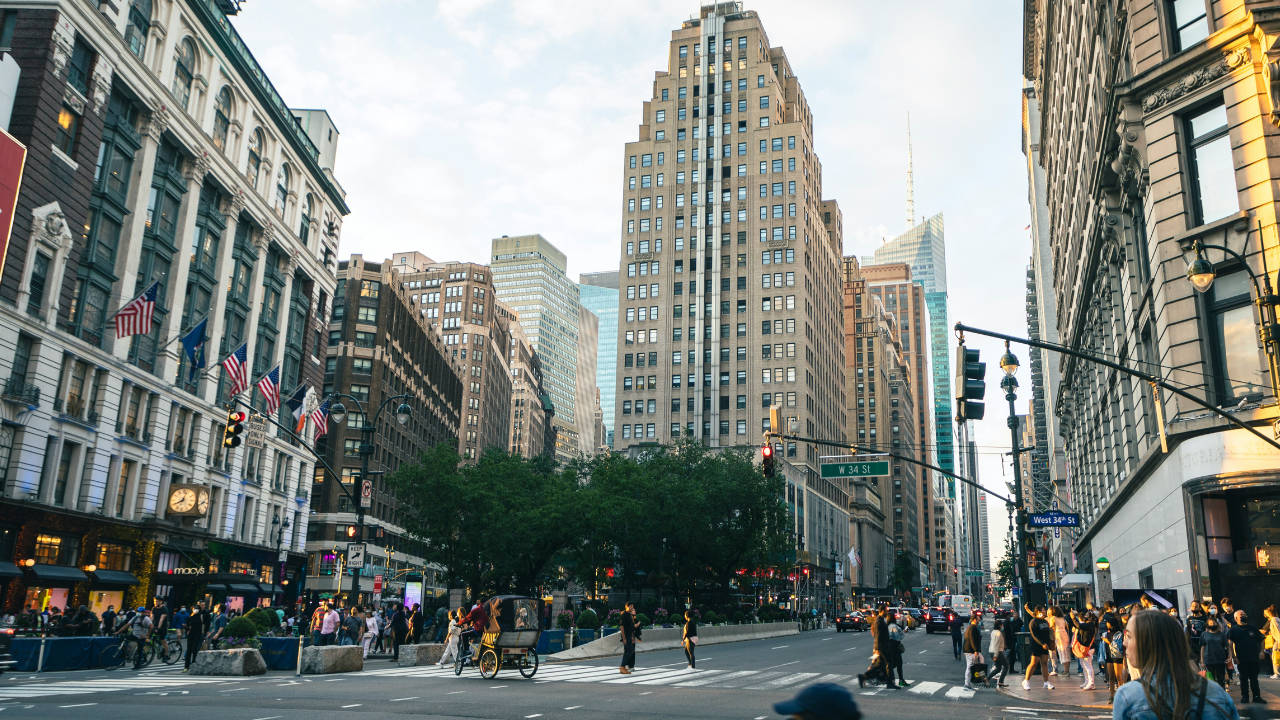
(730, 294)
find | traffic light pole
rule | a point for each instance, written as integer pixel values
(1020, 531)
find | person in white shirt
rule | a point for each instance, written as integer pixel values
(371, 631)
(999, 663)
(451, 640)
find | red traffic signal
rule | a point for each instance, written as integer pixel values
(766, 460)
(351, 531)
(231, 433)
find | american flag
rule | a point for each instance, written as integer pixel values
(236, 366)
(269, 386)
(320, 416)
(135, 318)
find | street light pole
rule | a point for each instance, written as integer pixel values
(1009, 364)
(338, 413)
(281, 526)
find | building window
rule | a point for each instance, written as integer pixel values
(56, 550)
(184, 72)
(1188, 21)
(135, 35)
(282, 189)
(1235, 338)
(114, 556)
(221, 118)
(39, 277)
(65, 135)
(1214, 194)
(255, 158)
(80, 67)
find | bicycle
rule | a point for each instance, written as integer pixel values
(117, 655)
(169, 649)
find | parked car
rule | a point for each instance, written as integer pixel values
(854, 621)
(938, 619)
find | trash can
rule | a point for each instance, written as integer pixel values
(1024, 649)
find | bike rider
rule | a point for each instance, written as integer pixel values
(473, 627)
(141, 625)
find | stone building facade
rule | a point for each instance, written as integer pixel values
(1157, 131)
(151, 130)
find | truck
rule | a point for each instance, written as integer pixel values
(961, 605)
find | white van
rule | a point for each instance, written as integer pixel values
(961, 605)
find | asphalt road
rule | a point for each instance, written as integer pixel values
(738, 680)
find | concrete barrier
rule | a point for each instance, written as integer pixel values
(654, 639)
(424, 654)
(241, 661)
(332, 659)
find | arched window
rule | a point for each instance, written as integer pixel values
(282, 188)
(255, 158)
(222, 118)
(308, 212)
(184, 72)
(135, 35)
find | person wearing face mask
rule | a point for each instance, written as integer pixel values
(1195, 626)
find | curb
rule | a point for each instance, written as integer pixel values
(1005, 692)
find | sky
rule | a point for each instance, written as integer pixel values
(465, 120)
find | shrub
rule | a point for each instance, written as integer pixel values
(564, 620)
(660, 616)
(240, 632)
(613, 618)
(262, 619)
(588, 620)
(642, 620)
(738, 616)
(710, 618)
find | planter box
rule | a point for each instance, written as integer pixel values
(332, 659)
(241, 661)
(423, 654)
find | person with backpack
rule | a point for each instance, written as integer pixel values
(1111, 631)
(1168, 686)
(956, 626)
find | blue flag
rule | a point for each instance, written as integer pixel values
(193, 344)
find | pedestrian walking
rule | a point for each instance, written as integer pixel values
(443, 616)
(999, 664)
(1111, 630)
(399, 630)
(370, 630)
(821, 701)
(1085, 634)
(689, 637)
(879, 670)
(415, 623)
(197, 627)
(1195, 626)
(972, 649)
(1041, 637)
(629, 629)
(1168, 687)
(1012, 626)
(956, 625)
(1215, 652)
(896, 651)
(1271, 631)
(451, 636)
(1061, 642)
(1246, 647)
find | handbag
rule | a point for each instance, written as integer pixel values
(978, 673)
(1079, 650)
(694, 639)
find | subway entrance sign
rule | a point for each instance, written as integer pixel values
(856, 469)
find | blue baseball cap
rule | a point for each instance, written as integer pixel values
(824, 700)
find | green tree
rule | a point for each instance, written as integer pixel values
(904, 573)
(1005, 568)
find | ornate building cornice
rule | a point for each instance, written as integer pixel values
(1230, 60)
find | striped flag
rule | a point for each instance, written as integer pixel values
(297, 407)
(236, 366)
(320, 416)
(269, 386)
(135, 318)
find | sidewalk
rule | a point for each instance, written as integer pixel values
(1067, 691)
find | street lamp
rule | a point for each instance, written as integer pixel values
(280, 526)
(1009, 383)
(1103, 564)
(338, 413)
(1201, 273)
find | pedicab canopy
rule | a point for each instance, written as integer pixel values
(508, 613)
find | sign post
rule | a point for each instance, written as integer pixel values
(355, 557)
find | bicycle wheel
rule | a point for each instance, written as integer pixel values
(489, 664)
(172, 652)
(148, 654)
(112, 657)
(529, 666)
(458, 664)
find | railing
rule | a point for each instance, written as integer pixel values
(75, 406)
(16, 389)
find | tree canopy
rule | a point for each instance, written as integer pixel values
(683, 519)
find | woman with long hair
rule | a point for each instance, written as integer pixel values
(451, 639)
(1169, 688)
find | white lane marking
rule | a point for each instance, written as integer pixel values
(647, 693)
(533, 715)
(344, 707)
(403, 699)
(455, 692)
(872, 692)
(957, 691)
(575, 707)
(793, 662)
(1022, 712)
(335, 680)
(495, 687)
(80, 705)
(677, 677)
(923, 652)
(927, 688)
(1035, 710)
(273, 717)
(233, 690)
(779, 647)
(826, 639)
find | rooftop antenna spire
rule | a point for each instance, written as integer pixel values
(911, 193)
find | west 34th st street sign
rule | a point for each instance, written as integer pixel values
(856, 469)
(1053, 518)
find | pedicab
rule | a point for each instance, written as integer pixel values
(509, 640)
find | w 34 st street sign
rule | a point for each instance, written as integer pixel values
(1053, 518)
(856, 469)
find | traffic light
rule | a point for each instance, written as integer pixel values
(775, 419)
(351, 531)
(970, 384)
(766, 459)
(231, 434)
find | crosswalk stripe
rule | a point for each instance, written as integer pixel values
(639, 676)
(835, 679)
(707, 680)
(927, 688)
(741, 681)
(782, 681)
(680, 676)
(957, 691)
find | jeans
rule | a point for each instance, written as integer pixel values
(346, 640)
(998, 670)
(1010, 659)
(628, 656)
(327, 638)
(957, 643)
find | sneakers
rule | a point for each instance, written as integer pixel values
(1053, 673)
(903, 683)
(1026, 684)
(969, 687)
(1048, 686)
(1260, 700)
(1087, 687)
